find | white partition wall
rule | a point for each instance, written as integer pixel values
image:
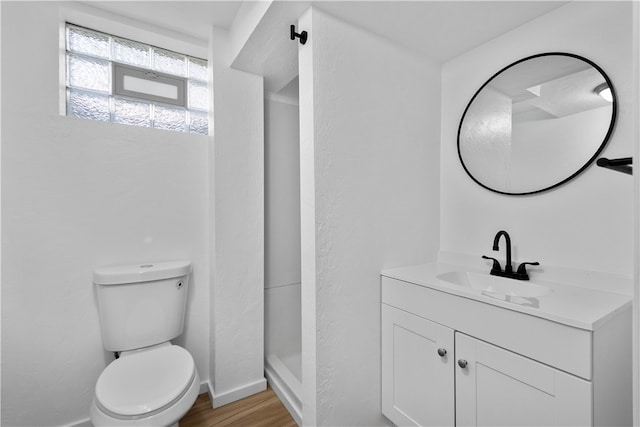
(236, 231)
(370, 132)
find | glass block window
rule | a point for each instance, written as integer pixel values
(117, 80)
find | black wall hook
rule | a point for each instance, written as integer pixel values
(302, 36)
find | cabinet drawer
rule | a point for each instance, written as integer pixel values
(564, 347)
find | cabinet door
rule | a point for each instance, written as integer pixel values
(501, 388)
(417, 381)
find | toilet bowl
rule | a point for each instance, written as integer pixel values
(148, 387)
(152, 382)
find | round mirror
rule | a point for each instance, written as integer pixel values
(537, 123)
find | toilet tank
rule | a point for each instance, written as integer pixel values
(141, 305)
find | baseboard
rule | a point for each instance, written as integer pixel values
(204, 387)
(220, 399)
(210, 391)
(287, 395)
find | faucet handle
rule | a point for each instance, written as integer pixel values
(522, 270)
(496, 265)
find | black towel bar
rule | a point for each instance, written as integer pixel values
(621, 165)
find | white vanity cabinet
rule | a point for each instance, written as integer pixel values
(453, 360)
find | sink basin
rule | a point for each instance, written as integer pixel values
(494, 284)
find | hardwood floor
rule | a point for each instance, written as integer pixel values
(260, 410)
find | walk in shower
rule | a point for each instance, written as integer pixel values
(283, 340)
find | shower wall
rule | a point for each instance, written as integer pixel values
(283, 343)
(282, 194)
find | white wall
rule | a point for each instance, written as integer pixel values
(370, 127)
(585, 224)
(78, 194)
(237, 230)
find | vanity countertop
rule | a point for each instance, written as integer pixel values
(575, 306)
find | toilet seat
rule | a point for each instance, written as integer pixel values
(146, 381)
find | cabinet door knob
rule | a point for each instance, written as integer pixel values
(442, 352)
(462, 363)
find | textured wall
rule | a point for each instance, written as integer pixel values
(78, 194)
(237, 230)
(370, 131)
(584, 224)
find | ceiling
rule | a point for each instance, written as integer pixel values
(193, 18)
(439, 29)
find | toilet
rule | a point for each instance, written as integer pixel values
(152, 382)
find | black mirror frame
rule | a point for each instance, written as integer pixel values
(614, 114)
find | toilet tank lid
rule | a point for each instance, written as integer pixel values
(140, 272)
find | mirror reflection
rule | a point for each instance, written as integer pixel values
(537, 123)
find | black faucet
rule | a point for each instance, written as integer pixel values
(508, 269)
(496, 270)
